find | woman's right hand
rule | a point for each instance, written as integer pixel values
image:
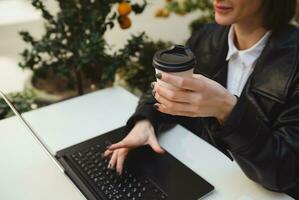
(142, 134)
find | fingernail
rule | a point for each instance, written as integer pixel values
(153, 93)
(107, 147)
(158, 75)
(110, 166)
(152, 85)
(156, 106)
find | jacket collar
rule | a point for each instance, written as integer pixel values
(274, 69)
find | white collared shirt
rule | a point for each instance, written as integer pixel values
(241, 62)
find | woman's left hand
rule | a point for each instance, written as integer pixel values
(193, 97)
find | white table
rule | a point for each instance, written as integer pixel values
(26, 173)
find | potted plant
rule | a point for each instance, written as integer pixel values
(72, 54)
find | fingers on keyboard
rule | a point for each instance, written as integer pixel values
(113, 160)
(107, 153)
(122, 154)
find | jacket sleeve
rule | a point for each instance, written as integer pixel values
(145, 110)
(268, 154)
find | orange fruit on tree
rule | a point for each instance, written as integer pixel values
(162, 13)
(124, 8)
(124, 22)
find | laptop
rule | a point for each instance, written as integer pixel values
(146, 175)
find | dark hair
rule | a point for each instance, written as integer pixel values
(278, 13)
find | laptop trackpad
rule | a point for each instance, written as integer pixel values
(173, 177)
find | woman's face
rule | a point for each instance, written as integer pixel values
(229, 12)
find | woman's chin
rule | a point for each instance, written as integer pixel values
(223, 24)
(224, 21)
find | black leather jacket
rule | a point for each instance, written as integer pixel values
(262, 132)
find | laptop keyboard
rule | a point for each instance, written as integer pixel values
(108, 184)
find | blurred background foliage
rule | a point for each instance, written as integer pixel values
(72, 54)
(138, 72)
(183, 7)
(23, 101)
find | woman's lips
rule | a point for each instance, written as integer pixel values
(222, 9)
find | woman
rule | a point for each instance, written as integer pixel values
(244, 98)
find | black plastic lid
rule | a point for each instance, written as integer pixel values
(177, 59)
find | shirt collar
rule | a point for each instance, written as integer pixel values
(247, 56)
